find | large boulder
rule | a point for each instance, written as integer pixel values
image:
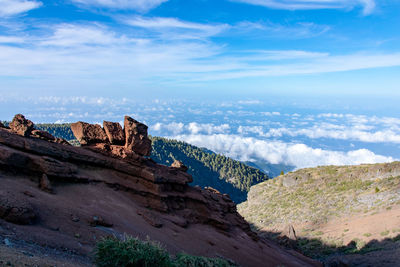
(2, 125)
(136, 137)
(114, 132)
(88, 133)
(20, 125)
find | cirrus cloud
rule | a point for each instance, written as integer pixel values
(14, 7)
(141, 5)
(367, 5)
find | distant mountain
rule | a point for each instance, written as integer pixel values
(207, 168)
(272, 170)
(339, 213)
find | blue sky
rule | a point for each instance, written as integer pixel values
(200, 48)
(295, 82)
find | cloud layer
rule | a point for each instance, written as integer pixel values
(181, 53)
(277, 152)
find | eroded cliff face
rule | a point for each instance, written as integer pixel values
(66, 196)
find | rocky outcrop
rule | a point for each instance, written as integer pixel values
(24, 127)
(88, 133)
(20, 125)
(136, 138)
(114, 133)
(131, 142)
(157, 187)
(43, 135)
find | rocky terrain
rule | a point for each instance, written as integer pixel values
(208, 169)
(57, 200)
(347, 214)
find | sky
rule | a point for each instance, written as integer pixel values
(199, 48)
(295, 82)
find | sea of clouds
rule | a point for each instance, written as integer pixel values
(246, 130)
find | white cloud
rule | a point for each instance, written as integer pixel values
(190, 128)
(99, 57)
(173, 127)
(335, 126)
(287, 54)
(294, 31)
(268, 113)
(367, 5)
(250, 102)
(72, 35)
(14, 7)
(208, 128)
(173, 28)
(275, 152)
(141, 5)
(11, 39)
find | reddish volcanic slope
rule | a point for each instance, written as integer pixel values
(57, 196)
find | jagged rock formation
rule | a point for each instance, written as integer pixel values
(107, 183)
(24, 127)
(130, 142)
(21, 126)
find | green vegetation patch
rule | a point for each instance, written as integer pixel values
(132, 252)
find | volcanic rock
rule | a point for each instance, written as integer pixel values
(179, 165)
(136, 137)
(61, 141)
(15, 210)
(114, 133)
(43, 135)
(44, 184)
(150, 218)
(98, 220)
(20, 125)
(88, 133)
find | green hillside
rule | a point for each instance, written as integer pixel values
(208, 169)
(336, 211)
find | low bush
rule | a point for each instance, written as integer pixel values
(132, 252)
(185, 260)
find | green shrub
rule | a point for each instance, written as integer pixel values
(184, 260)
(130, 252)
(384, 233)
